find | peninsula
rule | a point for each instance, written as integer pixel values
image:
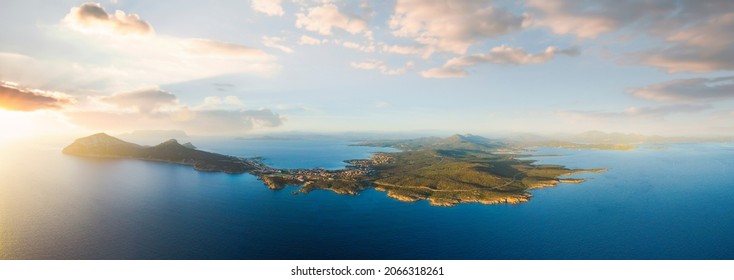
(104, 146)
(444, 171)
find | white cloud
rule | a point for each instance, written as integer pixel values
(654, 112)
(131, 56)
(368, 65)
(352, 45)
(307, 40)
(155, 109)
(698, 89)
(455, 67)
(268, 7)
(218, 102)
(451, 26)
(143, 101)
(443, 73)
(381, 66)
(323, 19)
(276, 43)
(163, 59)
(214, 48)
(567, 17)
(232, 100)
(508, 55)
(669, 119)
(92, 18)
(404, 50)
(202, 122)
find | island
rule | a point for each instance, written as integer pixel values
(443, 171)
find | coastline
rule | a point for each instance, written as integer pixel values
(457, 173)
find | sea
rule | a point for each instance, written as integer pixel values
(657, 202)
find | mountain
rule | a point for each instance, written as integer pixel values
(623, 138)
(158, 134)
(467, 142)
(614, 137)
(104, 146)
(453, 142)
(152, 137)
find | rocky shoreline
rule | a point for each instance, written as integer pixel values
(443, 177)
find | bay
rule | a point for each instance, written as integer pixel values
(672, 203)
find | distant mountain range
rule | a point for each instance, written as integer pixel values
(629, 138)
(478, 143)
(597, 140)
(456, 141)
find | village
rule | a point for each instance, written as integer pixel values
(356, 169)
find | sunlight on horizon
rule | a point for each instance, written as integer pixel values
(14, 125)
(39, 125)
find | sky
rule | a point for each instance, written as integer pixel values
(463, 66)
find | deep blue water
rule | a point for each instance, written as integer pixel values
(675, 203)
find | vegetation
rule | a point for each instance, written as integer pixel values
(462, 168)
(444, 171)
(105, 146)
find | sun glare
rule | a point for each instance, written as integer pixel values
(15, 125)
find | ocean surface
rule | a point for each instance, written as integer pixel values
(672, 203)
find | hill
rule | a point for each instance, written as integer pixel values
(444, 171)
(104, 146)
(454, 142)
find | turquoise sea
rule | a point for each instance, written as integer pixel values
(672, 203)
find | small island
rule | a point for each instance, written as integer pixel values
(444, 171)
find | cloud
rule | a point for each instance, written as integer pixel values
(323, 19)
(443, 73)
(455, 67)
(268, 7)
(382, 104)
(92, 18)
(671, 119)
(654, 112)
(372, 64)
(151, 109)
(276, 43)
(124, 62)
(307, 40)
(144, 101)
(202, 122)
(590, 19)
(352, 45)
(698, 89)
(214, 48)
(691, 31)
(15, 98)
(404, 50)
(131, 64)
(451, 26)
(508, 55)
(218, 102)
(698, 48)
(574, 17)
